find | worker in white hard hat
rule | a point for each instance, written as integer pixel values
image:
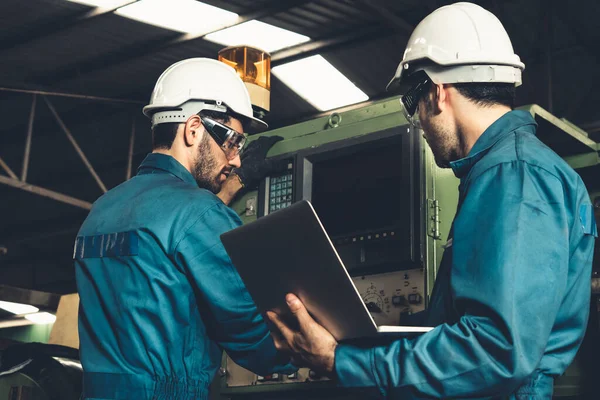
(511, 299)
(160, 298)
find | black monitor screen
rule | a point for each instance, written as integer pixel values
(362, 190)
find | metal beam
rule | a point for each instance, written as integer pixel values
(569, 129)
(35, 298)
(139, 50)
(131, 144)
(75, 145)
(13, 182)
(354, 36)
(72, 96)
(28, 140)
(583, 160)
(41, 31)
(387, 15)
(7, 169)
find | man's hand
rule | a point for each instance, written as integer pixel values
(255, 166)
(310, 346)
(229, 189)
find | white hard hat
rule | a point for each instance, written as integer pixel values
(460, 43)
(195, 84)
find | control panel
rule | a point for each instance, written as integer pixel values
(279, 189)
(392, 295)
(240, 377)
(388, 297)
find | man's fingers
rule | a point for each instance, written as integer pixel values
(287, 333)
(299, 311)
(280, 343)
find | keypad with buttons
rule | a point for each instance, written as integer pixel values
(280, 192)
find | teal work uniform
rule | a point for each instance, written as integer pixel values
(160, 298)
(511, 300)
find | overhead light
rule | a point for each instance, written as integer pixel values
(41, 318)
(257, 34)
(14, 322)
(188, 16)
(18, 308)
(110, 4)
(319, 83)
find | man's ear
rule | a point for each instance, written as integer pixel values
(193, 130)
(441, 99)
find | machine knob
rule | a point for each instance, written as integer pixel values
(313, 374)
(373, 307)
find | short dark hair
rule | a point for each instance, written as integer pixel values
(163, 135)
(488, 94)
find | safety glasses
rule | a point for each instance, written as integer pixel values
(410, 100)
(231, 142)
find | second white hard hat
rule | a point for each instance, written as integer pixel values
(460, 43)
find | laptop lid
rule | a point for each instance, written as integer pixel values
(289, 251)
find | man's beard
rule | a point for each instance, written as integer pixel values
(205, 167)
(443, 141)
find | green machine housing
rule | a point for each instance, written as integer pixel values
(388, 209)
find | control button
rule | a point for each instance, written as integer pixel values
(373, 307)
(414, 298)
(267, 378)
(284, 179)
(398, 300)
(405, 276)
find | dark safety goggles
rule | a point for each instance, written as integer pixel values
(231, 142)
(410, 100)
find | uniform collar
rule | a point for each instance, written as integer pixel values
(501, 128)
(155, 162)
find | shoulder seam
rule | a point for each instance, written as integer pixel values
(538, 167)
(183, 235)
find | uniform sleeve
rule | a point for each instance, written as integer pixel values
(508, 278)
(227, 309)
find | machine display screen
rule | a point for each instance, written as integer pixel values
(364, 191)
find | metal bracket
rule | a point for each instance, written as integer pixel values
(433, 211)
(251, 206)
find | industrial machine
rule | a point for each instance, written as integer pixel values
(382, 200)
(388, 209)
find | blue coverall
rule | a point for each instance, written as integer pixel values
(160, 298)
(511, 299)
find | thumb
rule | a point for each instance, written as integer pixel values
(299, 311)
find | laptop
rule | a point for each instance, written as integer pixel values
(288, 251)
